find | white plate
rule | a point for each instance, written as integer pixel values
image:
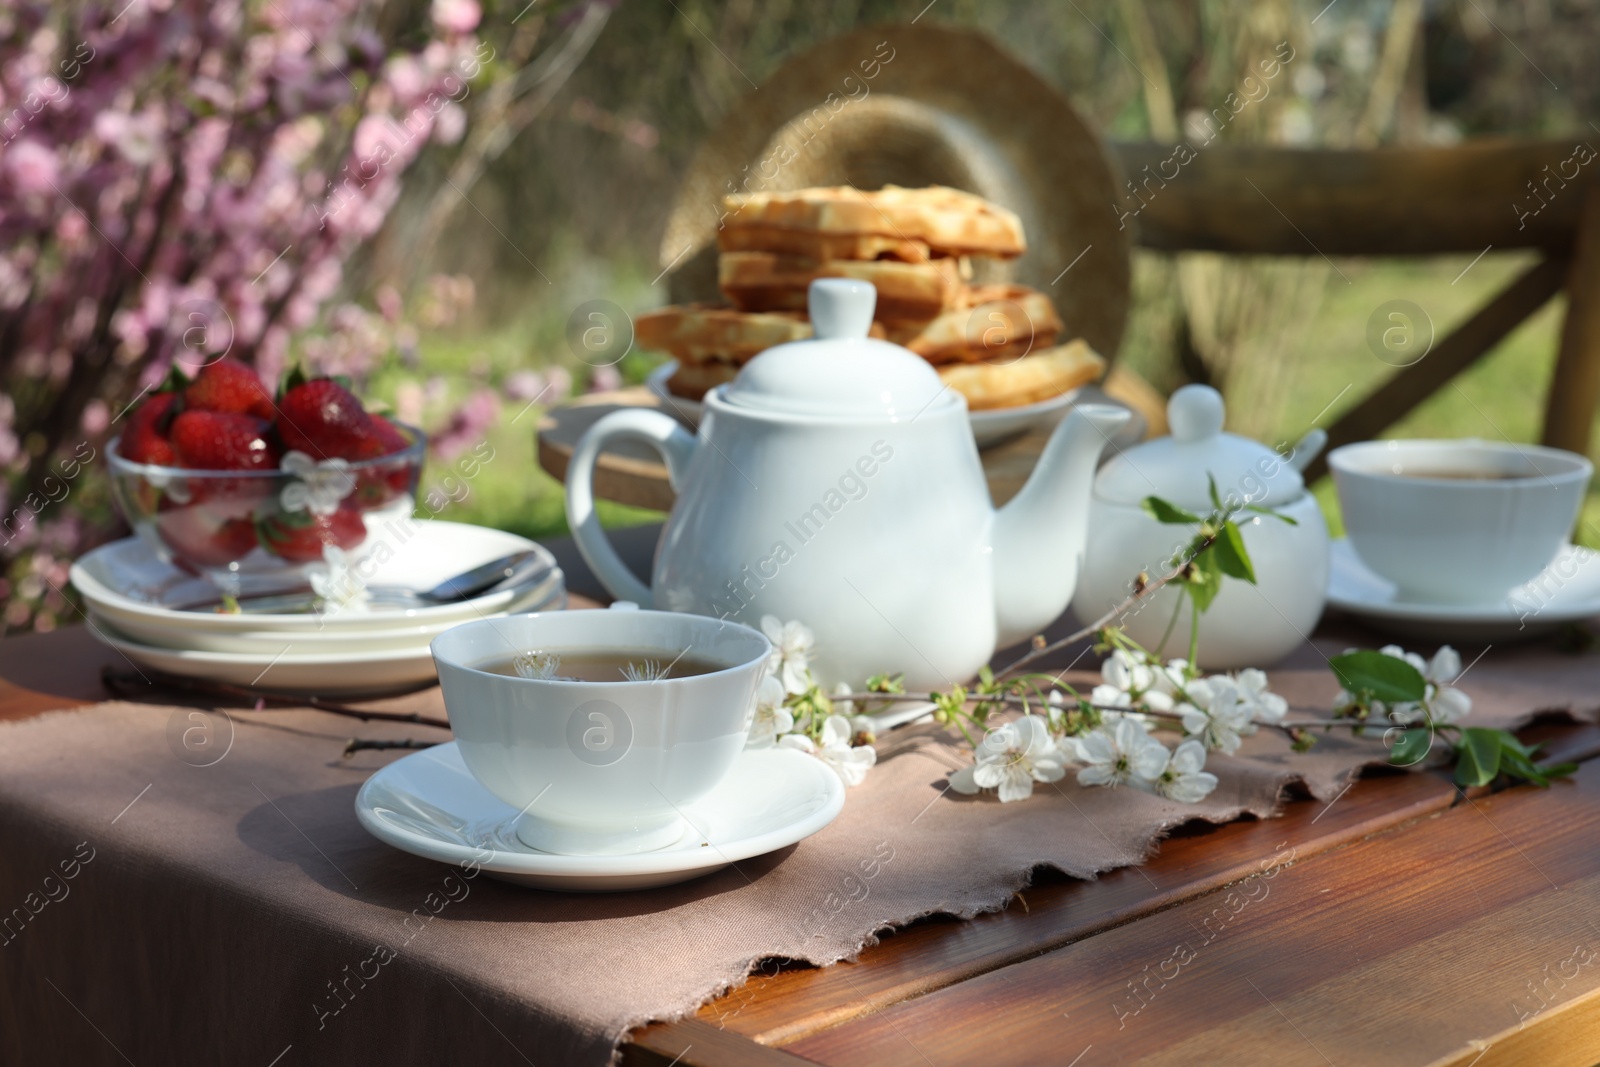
(125, 581)
(401, 633)
(1567, 591)
(323, 674)
(429, 804)
(988, 427)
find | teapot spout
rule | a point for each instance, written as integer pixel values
(1039, 536)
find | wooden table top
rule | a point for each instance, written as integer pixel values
(1406, 922)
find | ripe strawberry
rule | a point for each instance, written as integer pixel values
(199, 537)
(144, 438)
(387, 437)
(229, 386)
(386, 481)
(324, 420)
(299, 536)
(221, 441)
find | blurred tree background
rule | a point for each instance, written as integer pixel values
(555, 191)
(573, 206)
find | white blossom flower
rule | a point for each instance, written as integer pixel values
(849, 763)
(769, 718)
(318, 486)
(792, 645)
(1118, 754)
(1260, 705)
(1184, 778)
(1442, 702)
(1011, 758)
(1222, 719)
(536, 666)
(1128, 681)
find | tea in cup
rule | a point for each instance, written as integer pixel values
(600, 727)
(1458, 522)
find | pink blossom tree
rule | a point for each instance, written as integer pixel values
(181, 179)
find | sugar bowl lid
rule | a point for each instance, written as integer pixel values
(840, 371)
(1175, 468)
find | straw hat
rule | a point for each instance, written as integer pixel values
(923, 105)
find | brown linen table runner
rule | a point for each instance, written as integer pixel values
(237, 912)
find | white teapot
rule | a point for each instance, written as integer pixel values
(835, 482)
(1246, 625)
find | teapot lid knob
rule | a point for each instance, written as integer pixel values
(841, 308)
(1195, 412)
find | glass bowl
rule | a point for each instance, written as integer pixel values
(250, 532)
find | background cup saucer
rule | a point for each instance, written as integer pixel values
(1567, 591)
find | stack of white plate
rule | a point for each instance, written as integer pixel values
(132, 596)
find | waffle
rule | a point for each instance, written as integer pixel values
(766, 281)
(947, 220)
(1038, 376)
(814, 245)
(694, 381)
(997, 323)
(705, 333)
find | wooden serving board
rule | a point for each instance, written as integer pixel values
(630, 472)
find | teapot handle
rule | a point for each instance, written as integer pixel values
(656, 429)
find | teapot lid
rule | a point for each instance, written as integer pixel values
(840, 370)
(1175, 468)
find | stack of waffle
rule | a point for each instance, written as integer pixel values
(995, 344)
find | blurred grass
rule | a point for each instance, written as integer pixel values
(1501, 398)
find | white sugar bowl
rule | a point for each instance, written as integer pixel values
(1246, 625)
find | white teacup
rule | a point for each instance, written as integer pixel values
(1458, 522)
(600, 767)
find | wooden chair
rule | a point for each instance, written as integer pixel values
(1474, 197)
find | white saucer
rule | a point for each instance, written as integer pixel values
(129, 586)
(399, 632)
(429, 805)
(323, 674)
(1567, 591)
(988, 427)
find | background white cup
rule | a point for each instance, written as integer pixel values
(1457, 540)
(600, 767)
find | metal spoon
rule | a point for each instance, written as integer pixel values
(519, 568)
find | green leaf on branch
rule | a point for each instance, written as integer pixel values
(1211, 486)
(1412, 747)
(1206, 582)
(1382, 677)
(1232, 557)
(1259, 510)
(1483, 753)
(1170, 514)
(1477, 756)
